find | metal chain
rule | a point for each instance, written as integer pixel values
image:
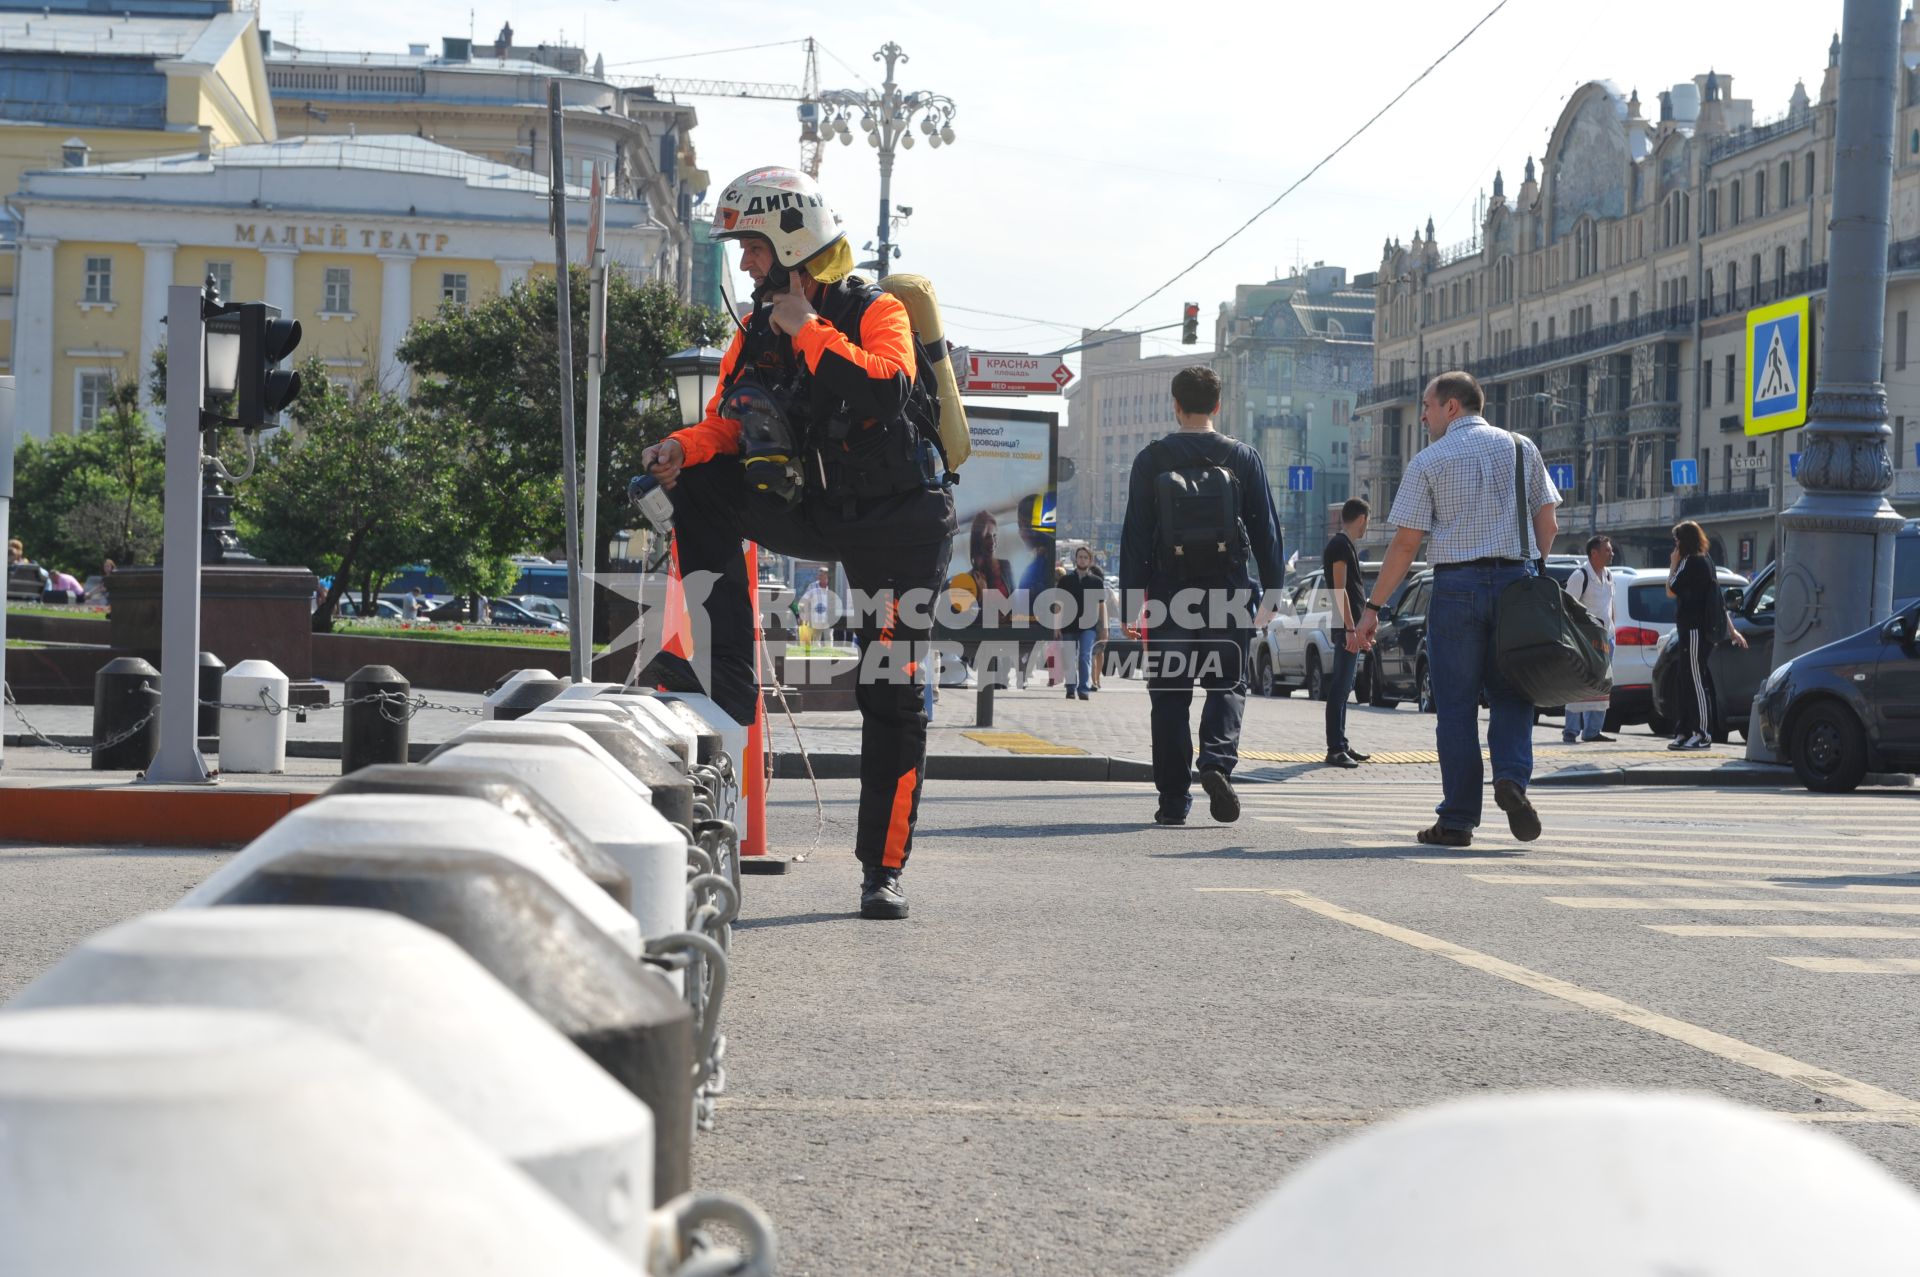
(51, 743)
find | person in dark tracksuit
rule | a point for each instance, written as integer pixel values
(1205, 640)
(810, 448)
(1699, 613)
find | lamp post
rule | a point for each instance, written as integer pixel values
(696, 374)
(1593, 458)
(887, 115)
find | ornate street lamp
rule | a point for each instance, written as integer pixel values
(887, 118)
(696, 374)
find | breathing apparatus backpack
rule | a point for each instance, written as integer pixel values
(936, 401)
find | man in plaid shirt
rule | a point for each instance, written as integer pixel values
(1460, 491)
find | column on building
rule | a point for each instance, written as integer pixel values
(280, 279)
(396, 312)
(512, 271)
(33, 367)
(157, 279)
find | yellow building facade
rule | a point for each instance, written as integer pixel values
(354, 237)
(89, 89)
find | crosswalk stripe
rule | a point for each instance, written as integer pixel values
(1813, 860)
(1808, 931)
(1856, 966)
(1588, 880)
(1321, 820)
(1736, 906)
(1470, 861)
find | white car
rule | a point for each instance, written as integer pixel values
(1296, 647)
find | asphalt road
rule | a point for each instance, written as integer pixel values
(1096, 1042)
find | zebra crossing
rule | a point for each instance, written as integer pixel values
(1852, 860)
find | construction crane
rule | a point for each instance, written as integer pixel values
(807, 94)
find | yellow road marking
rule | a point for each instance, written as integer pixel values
(1737, 906)
(1588, 880)
(1808, 931)
(1020, 743)
(1840, 1087)
(1470, 860)
(1856, 966)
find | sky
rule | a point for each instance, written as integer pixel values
(1101, 148)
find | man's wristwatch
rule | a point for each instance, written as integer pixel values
(1371, 606)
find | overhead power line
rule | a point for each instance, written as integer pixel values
(1351, 138)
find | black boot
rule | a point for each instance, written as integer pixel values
(881, 895)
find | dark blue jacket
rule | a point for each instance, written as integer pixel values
(1138, 535)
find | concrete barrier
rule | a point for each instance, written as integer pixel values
(454, 825)
(253, 733)
(413, 1001)
(672, 790)
(189, 1142)
(523, 690)
(531, 938)
(509, 795)
(1578, 1182)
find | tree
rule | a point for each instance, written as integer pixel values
(493, 368)
(82, 498)
(361, 486)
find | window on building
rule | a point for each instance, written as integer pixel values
(1469, 294)
(93, 396)
(1900, 340)
(1753, 269)
(1613, 310)
(1760, 193)
(99, 285)
(1633, 304)
(73, 154)
(1706, 288)
(1535, 339)
(1733, 203)
(1808, 166)
(453, 287)
(339, 291)
(1786, 182)
(1727, 389)
(1733, 285)
(1710, 213)
(221, 273)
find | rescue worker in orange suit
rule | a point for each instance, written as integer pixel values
(813, 446)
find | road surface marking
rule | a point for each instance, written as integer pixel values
(1638, 837)
(1470, 861)
(1020, 743)
(1808, 931)
(1737, 906)
(1588, 880)
(1856, 966)
(1849, 1090)
(1784, 861)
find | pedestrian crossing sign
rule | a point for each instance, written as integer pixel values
(1779, 346)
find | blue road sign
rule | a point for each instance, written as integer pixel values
(1686, 472)
(1299, 478)
(1793, 461)
(1562, 477)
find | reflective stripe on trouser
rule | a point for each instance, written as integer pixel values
(1690, 693)
(895, 545)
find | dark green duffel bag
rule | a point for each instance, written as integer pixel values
(1547, 644)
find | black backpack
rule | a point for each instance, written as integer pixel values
(1198, 532)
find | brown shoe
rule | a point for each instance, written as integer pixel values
(1438, 835)
(1522, 819)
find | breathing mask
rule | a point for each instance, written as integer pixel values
(768, 447)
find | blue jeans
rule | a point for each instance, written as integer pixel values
(1339, 687)
(1460, 631)
(1584, 724)
(1084, 640)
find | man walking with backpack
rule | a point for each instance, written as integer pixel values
(1199, 517)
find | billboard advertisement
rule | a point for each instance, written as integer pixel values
(1003, 551)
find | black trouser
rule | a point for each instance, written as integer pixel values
(1177, 657)
(888, 547)
(1692, 686)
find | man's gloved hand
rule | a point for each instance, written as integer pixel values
(664, 461)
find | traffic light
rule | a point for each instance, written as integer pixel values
(1190, 324)
(265, 388)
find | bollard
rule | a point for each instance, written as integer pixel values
(414, 1002)
(610, 807)
(462, 825)
(623, 1014)
(672, 791)
(253, 740)
(126, 691)
(212, 670)
(1578, 1181)
(375, 731)
(509, 795)
(524, 690)
(217, 1143)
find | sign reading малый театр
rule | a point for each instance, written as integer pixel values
(1779, 348)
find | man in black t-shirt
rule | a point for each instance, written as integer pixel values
(1341, 562)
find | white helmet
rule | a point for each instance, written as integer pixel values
(785, 206)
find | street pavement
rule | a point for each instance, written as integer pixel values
(1096, 1041)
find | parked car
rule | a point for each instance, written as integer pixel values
(383, 609)
(1734, 675)
(542, 606)
(1848, 708)
(1296, 647)
(1395, 669)
(509, 613)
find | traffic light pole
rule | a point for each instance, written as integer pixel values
(178, 761)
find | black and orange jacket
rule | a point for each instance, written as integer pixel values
(858, 350)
